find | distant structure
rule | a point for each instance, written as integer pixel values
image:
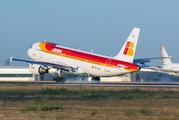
(7, 62)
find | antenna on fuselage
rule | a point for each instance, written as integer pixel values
(45, 40)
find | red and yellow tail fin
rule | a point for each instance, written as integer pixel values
(128, 50)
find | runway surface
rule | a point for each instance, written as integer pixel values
(129, 84)
(88, 83)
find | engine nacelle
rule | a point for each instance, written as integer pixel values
(37, 69)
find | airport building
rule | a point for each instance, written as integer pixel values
(14, 73)
(8, 73)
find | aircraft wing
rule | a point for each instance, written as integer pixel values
(144, 60)
(46, 64)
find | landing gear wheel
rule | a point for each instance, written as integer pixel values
(95, 79)
(60, 80)
(98, 79)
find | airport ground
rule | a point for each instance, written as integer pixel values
(32, 101)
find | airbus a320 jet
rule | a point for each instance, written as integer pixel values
(46, 55)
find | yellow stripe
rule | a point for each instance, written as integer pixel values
(42, 46)
(129, 69)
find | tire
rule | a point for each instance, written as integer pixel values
(60, 80)
(95, 79)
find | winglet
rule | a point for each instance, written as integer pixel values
(11, 58)
(170, 57)
(128, 50)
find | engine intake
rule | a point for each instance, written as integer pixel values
(38, 69)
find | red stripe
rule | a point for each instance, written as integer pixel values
(87, 56)
(49, 46)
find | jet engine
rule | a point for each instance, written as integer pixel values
(38, 69)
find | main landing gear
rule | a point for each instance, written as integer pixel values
(95, 79)
(60, 79)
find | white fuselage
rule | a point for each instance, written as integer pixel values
(172, 66)
(83, 66)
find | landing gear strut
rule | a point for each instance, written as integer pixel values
(60, 79)
(95, 79)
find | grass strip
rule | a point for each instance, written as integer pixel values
(39, 107)
(60, 93)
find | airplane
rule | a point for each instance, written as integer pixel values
(47, 56)
(167, 65)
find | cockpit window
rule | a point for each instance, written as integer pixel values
(30, 47)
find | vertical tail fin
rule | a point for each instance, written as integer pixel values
(128, 50)
(163, 53)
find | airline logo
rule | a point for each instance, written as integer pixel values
(129, 49)
(57, 50)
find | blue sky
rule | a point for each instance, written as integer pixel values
(101, 25)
